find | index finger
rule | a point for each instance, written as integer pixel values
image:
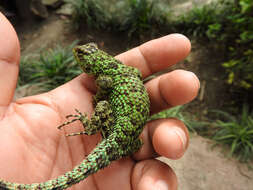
(9, 60)
(158, 54)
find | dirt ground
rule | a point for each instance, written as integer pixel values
(205, 168)
(201, 167)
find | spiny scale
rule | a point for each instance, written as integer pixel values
(121, 111)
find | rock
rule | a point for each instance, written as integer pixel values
(65, 9)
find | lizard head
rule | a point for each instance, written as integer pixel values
(95, 61)
(84, 55)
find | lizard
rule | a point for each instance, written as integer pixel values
(121, 111)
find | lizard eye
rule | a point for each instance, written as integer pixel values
(85, 49)
(79, 51)
(91, 47)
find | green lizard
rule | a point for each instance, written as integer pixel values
(121, 111)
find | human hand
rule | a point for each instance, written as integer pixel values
(32, 149)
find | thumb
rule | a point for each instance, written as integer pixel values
(9, 60)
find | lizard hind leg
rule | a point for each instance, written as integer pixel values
(100, 119)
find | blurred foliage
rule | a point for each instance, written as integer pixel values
(90, 12)
(54, 67)
(26, 69)
(229, 24)
(236, 132)
(133, 17)
(141, 17)
(180, 113)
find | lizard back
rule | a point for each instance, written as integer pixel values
(122, 109)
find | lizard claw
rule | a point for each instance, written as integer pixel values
(75, 134)
(76, 117)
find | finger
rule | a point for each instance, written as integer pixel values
(175, 88)
(9, 59)
(80, 86)
(153, 175)
(158, 54)
(165, 137)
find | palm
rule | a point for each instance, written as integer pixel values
(32, 149)
(40, 146)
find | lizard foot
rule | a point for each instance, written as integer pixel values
(79, 116)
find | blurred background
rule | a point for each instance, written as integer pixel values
(220, 119)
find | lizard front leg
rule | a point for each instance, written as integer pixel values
(100, 120)
(104, 84)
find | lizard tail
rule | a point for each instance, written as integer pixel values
(95, 161)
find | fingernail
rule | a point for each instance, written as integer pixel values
(196, 79)
(161, 185)
(181, 134)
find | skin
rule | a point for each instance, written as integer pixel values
(32, 149)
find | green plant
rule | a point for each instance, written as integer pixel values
(53, 68)
(141, 17)
(198, 20)
(138, 18)
(90, 12)
(239, 38)
(177, 112)
(26, 69)
(133, 17)
(229, 24)
(237, 133)
(240, 70)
